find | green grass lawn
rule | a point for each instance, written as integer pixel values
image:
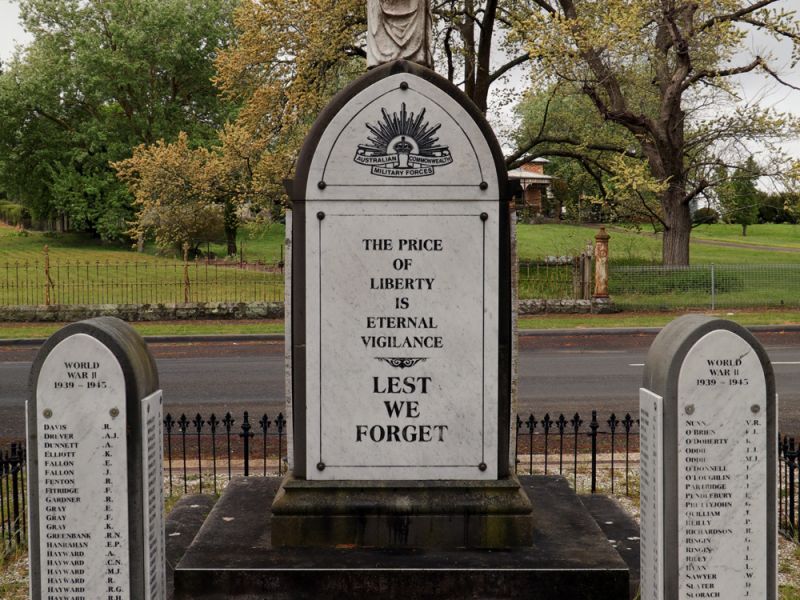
(84, 270)
(768, 234)
(535, 242)
(631, 247)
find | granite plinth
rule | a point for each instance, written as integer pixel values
(233, 557)
(385, 514)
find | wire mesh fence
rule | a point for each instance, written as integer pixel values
(50, 282)
(557, 279)
(705, 286)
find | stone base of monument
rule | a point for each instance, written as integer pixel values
(391, 514)
(233, 557)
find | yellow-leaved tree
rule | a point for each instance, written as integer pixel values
(190, 195)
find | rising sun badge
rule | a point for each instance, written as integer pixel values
(403, 146)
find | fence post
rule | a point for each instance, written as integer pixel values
(601, 264)
(594, 426)
(186, 283)
(246, 435)
(713, 288)
(15, 470)
(586, 276)
(47, 281)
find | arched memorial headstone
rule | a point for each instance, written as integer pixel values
(94, 459)
(708, 415)
(401, 322)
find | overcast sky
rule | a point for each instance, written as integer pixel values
(755, 87)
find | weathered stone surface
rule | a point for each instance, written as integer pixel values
(430, 514)
(709, 440)
(94, 433)
(538, 306)
(61, 313)
(181, 526)
(232, 557)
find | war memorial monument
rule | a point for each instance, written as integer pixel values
(400, 392)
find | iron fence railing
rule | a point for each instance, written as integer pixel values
(657, 287)
(54, 281)
(599, 455)
(600, 452)
(789, 490)
(13, 513)
(209, 451)
(557, 278)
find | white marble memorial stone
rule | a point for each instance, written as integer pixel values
(708, 496)
(153, 496)
(651, 494)
(94, 462)
(401, 307)
(722, 471)
(83, 488)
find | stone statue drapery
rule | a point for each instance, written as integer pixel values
(399, 29)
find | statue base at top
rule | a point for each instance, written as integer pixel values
(402, 514)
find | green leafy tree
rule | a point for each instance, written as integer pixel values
(99, 78)
(664, 71)
(738, 197)
(594, 161)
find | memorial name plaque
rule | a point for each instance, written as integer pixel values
(153, 496)
(401, 264)
(651, 496)
(718, 458)
(86, 466)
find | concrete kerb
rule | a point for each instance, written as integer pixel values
(275, 337)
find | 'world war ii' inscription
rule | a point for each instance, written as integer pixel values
(83, 473)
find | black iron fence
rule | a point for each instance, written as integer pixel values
(597, 452)
(788, 489)
(13, 513)
(139, 280)
(202, 454)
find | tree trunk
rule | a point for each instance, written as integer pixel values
(744, 229)
(231, 227)
(678, 221)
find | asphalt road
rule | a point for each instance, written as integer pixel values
(571, 373)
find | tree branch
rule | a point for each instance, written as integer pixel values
(736, 15)
(722, 73)
(522, 58)
(698, 189)
(652, 213)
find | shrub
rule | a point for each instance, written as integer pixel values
(705, 216)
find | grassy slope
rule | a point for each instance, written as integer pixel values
(631, 247)
(259, 244)
(535, 241)
(785, 235)
(84, 270)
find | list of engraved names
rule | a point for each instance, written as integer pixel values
(82, 473)
(722, 471)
